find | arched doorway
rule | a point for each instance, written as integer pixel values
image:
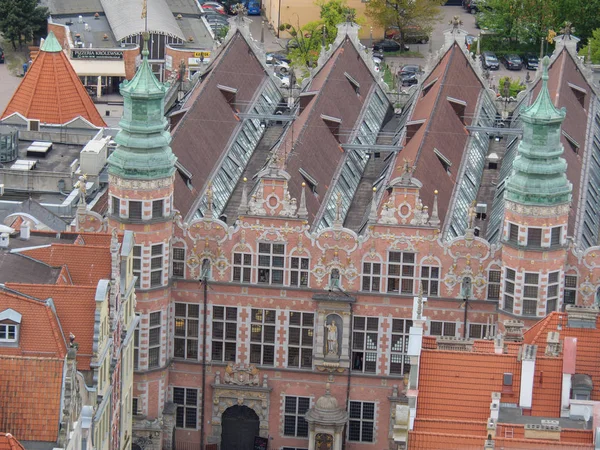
(240, 425)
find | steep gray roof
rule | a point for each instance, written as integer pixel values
(125, 18)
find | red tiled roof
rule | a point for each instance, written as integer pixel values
(75, 307)
(421, 440)
(52, 93)
(454, 384)
(8, 442)
(30, 394)
(39, 331)
(87, 264)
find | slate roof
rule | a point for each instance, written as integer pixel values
(35, 209)
(30, 396)
(51, 92)
(443, 128)
(75, 307)
(8, 442)
(202, 135)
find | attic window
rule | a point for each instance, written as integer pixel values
(446, 163)
(355, 84)
(186, 174)
(9, 326)
(428, 87)
(507, 379)
(305, 98)
(228, 92)
(312, 183)
(333, 123)
(579, 92)
(412, 127)
(459, 107)
(572, 142)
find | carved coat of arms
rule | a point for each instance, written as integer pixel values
(241, 375)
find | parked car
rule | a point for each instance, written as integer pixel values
(409, 73)
(378, 54)
(278, 66)
(253, 8)
(512, 62)
(211, 7)
(412, 35)
(279, 57)
(285, 79)
(216, 19)
(530, 61)
(471, 6)
(386, 45)
(1, 56)
(490, 61)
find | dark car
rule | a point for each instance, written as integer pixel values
(512, 62)
(530, 61)
(378, 54)
(409, 73)
(489, 61)
(1, 56)
(279, 57)
(386, 45)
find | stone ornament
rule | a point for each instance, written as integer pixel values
(241, 375)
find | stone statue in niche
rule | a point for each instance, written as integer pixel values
(333, 327)
(323, 441)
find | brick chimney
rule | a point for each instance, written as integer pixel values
(569, 358)
(527, 374)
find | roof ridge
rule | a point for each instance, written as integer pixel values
(54, 286)
(58, 333)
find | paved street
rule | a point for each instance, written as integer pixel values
(8, 85)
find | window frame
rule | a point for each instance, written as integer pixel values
(185, 407)
(7, 327)
(156, 264)
(178, 262)
(363, 349)
(137, 261)
(271, 273)
(571, 281)
(158, 207)
(297, 415)
(509, 294)
(301, 272)
(227, 343)
(244, 267)
(428, 282)
(305, 350)
(262, 343)
(156, 347)
(137, 204)
(447, 328)
(400, 353)
(371, 276)
(361, 421)
(400, 277)
(186, 338)
(496, 285)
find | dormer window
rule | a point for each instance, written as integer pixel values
(10, 321)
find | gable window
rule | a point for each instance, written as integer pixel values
(135, 210)
(242, 266)
(299, 271)
(361, 422)
(178, 263)
(371, 279)
(187, 321)
(401, 272)
(154, 338)
(365, 338)
(186, 400)
(509, 290)
(270, 263)
(442, 328)
(570, 295)
(530, 294)
(293, 421)
(157, 209)
(534, 237)
(224, 333)
(262, 337)
(156, 265)
(552, 297)
(493, 285)
(579, 93)
(8, 333)
(399, 361)
(430, 280)
(301, 330)
(555, 236)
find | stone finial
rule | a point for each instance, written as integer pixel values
(434, 220)
(302, 210)
(338, 210)
(243, 208)
(373, 214)
(209, 201)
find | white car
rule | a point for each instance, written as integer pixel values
(279, 66)
(285, 80)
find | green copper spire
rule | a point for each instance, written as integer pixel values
(539, 173)
(51, 44)
(143, 150)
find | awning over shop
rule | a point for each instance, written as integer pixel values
(99, 68)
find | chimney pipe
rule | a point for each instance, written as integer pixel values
(4, 240)
(527, 375)
(569, 358)
(25, 231)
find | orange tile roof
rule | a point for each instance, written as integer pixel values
(75, 306)
(30, 393)
(87, 264)
(421, 440)
(454, 384)
(547, 384)
(8, 442)
(52, 93)
(39, 332)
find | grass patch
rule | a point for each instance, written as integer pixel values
(409, 54)
(388, 76)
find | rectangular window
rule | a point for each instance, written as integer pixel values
(570, 295)
(135, 210)
(534, 237)
(480, 330)
(401, 272)
(262, 337)
(300, 343)
(430, 276)
(293, 420)
(530, 294)
(187, 320)
(137, 264)
(157, 209)
(136, 348)
(116, 206)
(299, 272)
(154, 339)
(242, 267)
(186, 400)
(509, 290)
(371, 280)
(552, 295)
(8, 333)
(224, 333)
(513, 233)
(399, 362)
(365, 337)
(555, 236)
(361, 423)
(134, 406)
(271, 263)
(494, 285)
(442, 329)
(156, 266)
(178, 263)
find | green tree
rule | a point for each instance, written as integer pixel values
(582, 13)
(594, 43)
(21, 21)
(305, 43)
(405, 15)
(332, 14)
